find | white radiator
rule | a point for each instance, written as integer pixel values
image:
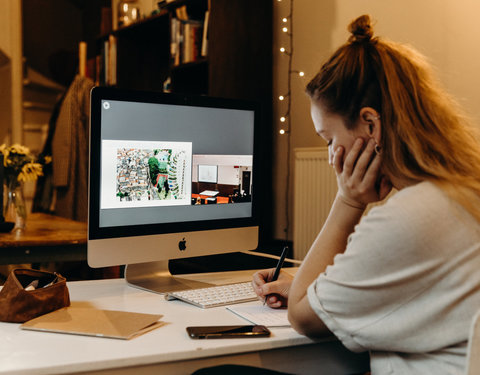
(315, 187)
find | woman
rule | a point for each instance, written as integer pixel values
(402, 281)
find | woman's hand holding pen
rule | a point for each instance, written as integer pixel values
(358, 174)
(276, 292)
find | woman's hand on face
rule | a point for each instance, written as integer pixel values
(358, 175)
(276, 291)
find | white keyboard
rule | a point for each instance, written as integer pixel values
(216, 295)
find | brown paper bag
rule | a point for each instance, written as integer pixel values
(19, 302)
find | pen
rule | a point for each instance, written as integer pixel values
(277, 269)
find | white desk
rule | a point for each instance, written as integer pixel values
(166, 350)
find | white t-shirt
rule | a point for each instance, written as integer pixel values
(407, 286)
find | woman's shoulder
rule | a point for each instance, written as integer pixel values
(419, 190)
(424, 198)
(420, 214)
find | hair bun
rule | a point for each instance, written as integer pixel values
(361, 29)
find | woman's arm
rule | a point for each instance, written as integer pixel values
(356, 183)
(331, 241)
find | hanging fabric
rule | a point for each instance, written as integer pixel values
(70, 151)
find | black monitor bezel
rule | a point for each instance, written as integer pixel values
(108, 93)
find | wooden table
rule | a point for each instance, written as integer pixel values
(46, 238)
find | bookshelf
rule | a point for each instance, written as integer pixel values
(237, 63)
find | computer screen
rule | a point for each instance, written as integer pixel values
(166, 176)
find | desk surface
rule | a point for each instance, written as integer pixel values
(166, 350)
(45, 238)
(46, 230)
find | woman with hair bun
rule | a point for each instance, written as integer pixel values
(401, 281)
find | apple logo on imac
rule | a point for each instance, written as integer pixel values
(182, 245)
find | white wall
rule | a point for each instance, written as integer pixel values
(11, 74)
(446, 31)
(5, 70)
(5, 26)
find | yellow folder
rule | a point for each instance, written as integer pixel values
(94, 322)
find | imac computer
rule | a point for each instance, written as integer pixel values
(165, 176)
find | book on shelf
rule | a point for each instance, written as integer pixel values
(175, 41)
(91, 69)
(106, 63)
(98, 70)
(112, 59)
(192, 41)
(204, 50)
(186, 41)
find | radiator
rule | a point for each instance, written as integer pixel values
(315, 188)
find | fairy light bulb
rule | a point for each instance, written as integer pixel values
(284, 20)
(282, 49)
(282, 131)
(281, 97)
(284, 29)
(282, 119)
(301, 74)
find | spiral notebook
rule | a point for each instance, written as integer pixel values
(262, 315)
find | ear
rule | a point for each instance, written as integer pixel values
(370, 124)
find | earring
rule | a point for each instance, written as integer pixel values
(378, 149)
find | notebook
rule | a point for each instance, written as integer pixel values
(261, 315)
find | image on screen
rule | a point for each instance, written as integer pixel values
(170, 163)
(145, 174)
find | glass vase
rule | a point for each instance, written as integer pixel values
(15, 208)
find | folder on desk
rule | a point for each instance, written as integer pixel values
(94, 322)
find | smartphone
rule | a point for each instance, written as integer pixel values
(220, 332)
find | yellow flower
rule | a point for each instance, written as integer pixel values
(19, 149)
(30, 172)
(20, 165)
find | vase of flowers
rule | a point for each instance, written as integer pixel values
(20, 165)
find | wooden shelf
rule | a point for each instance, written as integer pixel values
(141, 23)
(197, 4)
(190, 65)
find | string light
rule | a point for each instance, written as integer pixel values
(287, 28)
(285, 119)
